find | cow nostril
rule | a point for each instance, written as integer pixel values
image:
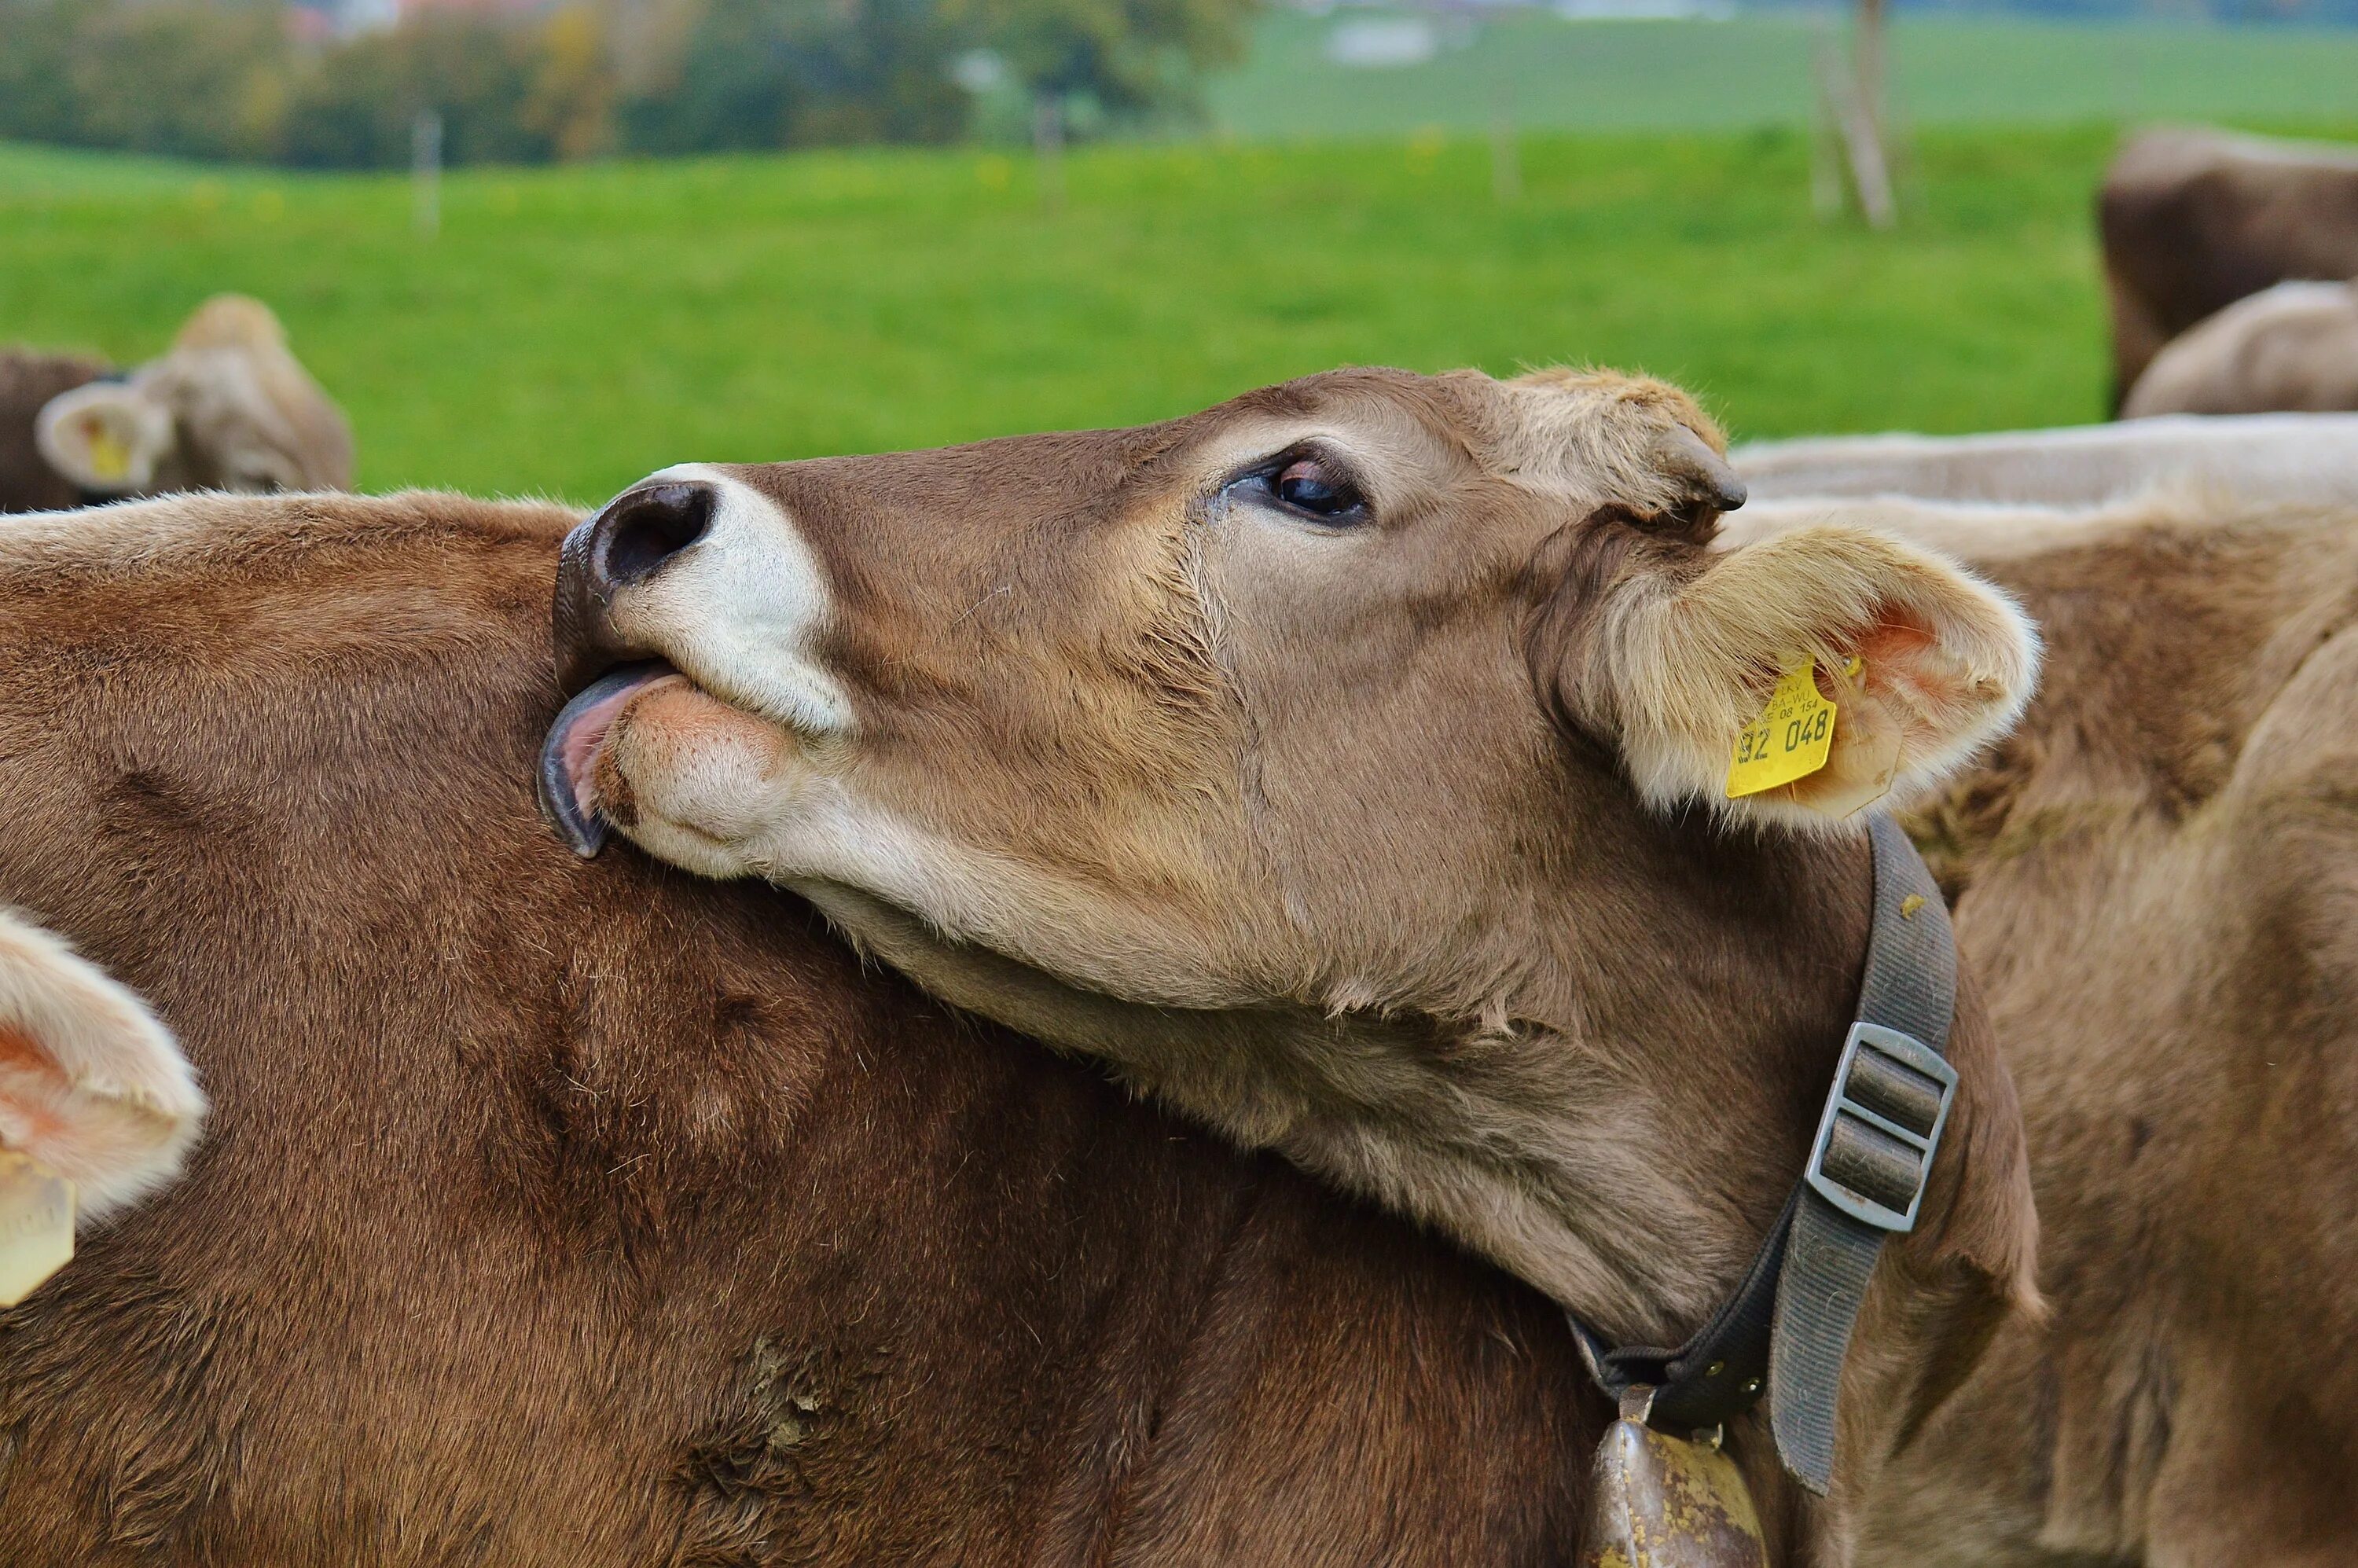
(647, 528)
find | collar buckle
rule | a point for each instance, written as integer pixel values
(1873, 1156)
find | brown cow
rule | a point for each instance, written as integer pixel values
(229, 407)
(2158, 874)
(585, 1215)
(2291, 347)
(2193, 220)
(1192, 747)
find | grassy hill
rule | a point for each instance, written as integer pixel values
(1754, 69)
(572, 329)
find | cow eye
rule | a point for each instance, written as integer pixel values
(1316, 487)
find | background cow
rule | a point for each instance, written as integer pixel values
(2291, 347)
(2257, 457)
(228, 407)
(2154, 880)
(2193, 220)
(580, 1214)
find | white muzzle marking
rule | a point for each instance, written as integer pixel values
(739, 611)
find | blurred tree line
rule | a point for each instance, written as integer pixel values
(257, 79)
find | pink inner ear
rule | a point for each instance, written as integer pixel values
(1903, 669)
(20, 1055)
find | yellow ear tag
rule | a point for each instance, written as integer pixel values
(1790, 739)
(37, 1224)
(110, 457)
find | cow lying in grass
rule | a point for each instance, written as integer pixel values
(2310, 458)
(228, 407)
(92, 1086)
(591, 1216)
(1339, 765)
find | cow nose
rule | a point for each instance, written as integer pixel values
(641, 529)
(627, 542)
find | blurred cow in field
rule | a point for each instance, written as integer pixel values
(2193, 220)
(2291, 347)
(228, 407)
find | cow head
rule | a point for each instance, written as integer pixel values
(90, 1085)
(227, 408)
(1267, 703)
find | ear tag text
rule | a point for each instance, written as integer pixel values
(36, 1225)
(110, 456)
(1790, 741)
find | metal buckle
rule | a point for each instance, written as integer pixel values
(1889, 1102)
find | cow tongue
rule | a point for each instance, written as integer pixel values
(569, 754)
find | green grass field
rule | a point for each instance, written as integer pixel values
(1549, 73)
(572, 329)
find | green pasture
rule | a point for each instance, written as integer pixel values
(1543, 72)
(571, 328)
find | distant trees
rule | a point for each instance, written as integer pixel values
(1123, 56)
(770, 73)
(230, 78)
(353, 107)
(200, 82)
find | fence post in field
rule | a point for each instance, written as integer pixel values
(426, 172)
(1827, 188)
(1048, 147)
(1853, 102)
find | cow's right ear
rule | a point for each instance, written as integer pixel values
(106, 437)
(92, 1085)
(1858, 666)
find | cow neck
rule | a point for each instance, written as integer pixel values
(1656, 1142)
(1694, 992)
(1784, 1330)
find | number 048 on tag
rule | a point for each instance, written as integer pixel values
(1791, 738)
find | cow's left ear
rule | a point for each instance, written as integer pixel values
(106, 438)
(1710, 673)
(92, 1085)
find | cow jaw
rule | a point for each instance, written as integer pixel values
(724, 792)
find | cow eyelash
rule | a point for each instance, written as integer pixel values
(1309, 482)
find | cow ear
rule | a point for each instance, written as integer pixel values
(92, 1085)
(106, 437)
(1679, 653)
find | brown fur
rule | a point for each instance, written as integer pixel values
(580, 1214)
(1424, 894)
(2193, 220)
(2156, 876)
